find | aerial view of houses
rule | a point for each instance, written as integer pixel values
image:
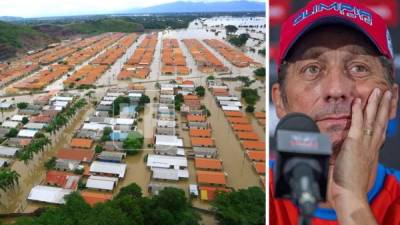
(153, 118)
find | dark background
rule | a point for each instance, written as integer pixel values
(390, 154)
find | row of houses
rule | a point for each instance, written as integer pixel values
(28, 122)
(251, 143)
(96, 172)
(210, 176)
(138, 65)
(88, 74)
(173, 60)
(169, 161)
(30, 63)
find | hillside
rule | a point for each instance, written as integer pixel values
(105, 25)
(19, 38)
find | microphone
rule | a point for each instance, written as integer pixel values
(302, 163)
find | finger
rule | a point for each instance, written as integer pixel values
(371, 109)
(356, 120)
(382, 119)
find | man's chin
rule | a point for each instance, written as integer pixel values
(337, 139)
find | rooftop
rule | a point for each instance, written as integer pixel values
(204, 163)
(211, 177)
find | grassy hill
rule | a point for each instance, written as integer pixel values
(105, 25)
(17, 35)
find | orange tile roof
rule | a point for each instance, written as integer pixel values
(256, 155)
(204, 142)
(81, 143)
(233, 114)
(254, 145)
(211, 177)
(260, 167)
(83, 155)
(199, 132)
(208, 193)
(95, 197)
(190, 97)
(238, 120)
(243, 135)
(24, 141)
(60, 179)
(242, 127)
(195, 118)
(204, 163)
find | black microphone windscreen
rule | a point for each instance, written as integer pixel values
(297, 122)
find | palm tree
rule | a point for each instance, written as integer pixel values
(8, 178)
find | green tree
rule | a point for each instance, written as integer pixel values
(133, 143)
(51, 163)
(211, 77)
(117, 103)
(250, 108)
(260, 72)
(13, 132)
(8, 179)
(98, 149)
(230, 29)
(250, 95)
(246, 206)
(22, 105)
(25, 120)
(132, 190)
(200, 91)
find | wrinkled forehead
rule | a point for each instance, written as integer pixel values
(335, 37)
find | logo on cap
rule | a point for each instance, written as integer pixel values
(344, 9)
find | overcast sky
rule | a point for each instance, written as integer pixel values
(41, 8)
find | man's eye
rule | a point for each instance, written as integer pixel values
(359, 70)
(312, 70)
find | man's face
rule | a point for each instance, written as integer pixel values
(327, 69)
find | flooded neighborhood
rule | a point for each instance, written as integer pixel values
(180, 108)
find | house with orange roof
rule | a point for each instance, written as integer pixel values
(207, 164)
(259, 167)
(208, 193)
(238, 120)
(201, 142)
(211, 178)
(62, 179)
(205, 133)
(242, 127)
(195, 118)
(257, 156)
(81, 143)
(249, 136)
(82, 155)
(233, 114)
(92, 198)
(254, 145)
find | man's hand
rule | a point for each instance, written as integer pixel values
(358, 159)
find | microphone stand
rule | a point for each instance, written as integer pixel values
(305, 192)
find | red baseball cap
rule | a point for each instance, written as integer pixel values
(325, 12)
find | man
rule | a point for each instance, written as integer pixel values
(336, 65)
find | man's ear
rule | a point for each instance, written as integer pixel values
(278, 101)
(394, 102)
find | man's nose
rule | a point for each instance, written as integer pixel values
(337, 86)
